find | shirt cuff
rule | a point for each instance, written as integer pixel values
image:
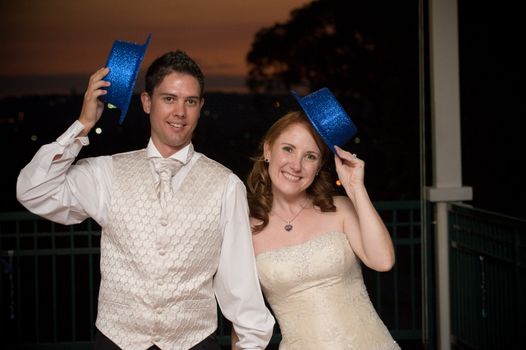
(71, 135)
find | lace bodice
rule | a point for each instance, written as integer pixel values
(317, 293)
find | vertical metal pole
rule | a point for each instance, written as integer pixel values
(424, 233)
(442, 272)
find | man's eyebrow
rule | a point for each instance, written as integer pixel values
(175, 95)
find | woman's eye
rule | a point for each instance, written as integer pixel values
(287, 149)
(312, 157)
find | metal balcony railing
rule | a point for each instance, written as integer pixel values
(488, 279)
(50, 277)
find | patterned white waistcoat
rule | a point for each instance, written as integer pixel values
(156, 280)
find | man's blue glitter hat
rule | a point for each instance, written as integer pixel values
(124, 62)
(328, 117)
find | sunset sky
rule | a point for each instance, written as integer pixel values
(63, 39)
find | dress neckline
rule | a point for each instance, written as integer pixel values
(275, 250)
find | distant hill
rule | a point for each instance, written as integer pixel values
(230, 129)
(72, 84)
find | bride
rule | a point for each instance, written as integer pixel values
(309, 244)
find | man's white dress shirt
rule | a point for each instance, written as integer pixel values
(53, 187)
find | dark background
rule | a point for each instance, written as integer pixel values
(379, 87)
(380, 91)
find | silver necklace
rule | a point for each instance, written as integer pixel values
(288, 224)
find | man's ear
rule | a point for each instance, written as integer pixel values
(146, 102)
(201, 104)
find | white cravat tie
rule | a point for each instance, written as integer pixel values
(166, 168)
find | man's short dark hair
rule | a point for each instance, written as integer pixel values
(173, 61)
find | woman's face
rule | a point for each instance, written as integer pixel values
(294, 159)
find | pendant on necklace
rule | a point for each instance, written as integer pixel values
(288, 224)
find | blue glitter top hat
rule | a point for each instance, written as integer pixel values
(124, 62)
(328, 117)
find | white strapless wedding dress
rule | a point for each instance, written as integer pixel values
(318, 296)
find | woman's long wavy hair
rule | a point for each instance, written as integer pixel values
(260, 186)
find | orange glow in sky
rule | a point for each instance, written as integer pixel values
(57, 37)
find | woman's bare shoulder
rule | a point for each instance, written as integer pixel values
(342, 203)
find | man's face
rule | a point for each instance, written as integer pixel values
(174, 110)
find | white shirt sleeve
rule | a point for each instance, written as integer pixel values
(53, 187)
(236, 283)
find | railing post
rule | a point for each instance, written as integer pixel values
(446, 141)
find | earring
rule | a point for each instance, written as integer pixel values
(266, 160)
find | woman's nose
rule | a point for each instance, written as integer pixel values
(295, 163)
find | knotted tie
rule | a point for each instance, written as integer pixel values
(166, 168)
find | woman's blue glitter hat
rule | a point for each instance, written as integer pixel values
(124, 62)
(328, 117)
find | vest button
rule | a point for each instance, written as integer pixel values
(162, 252)
(164, 222)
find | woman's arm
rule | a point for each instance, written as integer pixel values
(365, 229)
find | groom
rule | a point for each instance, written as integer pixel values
(175, 227)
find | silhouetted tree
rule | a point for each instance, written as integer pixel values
(316, 47)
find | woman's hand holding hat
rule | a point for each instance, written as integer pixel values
(350, 169)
